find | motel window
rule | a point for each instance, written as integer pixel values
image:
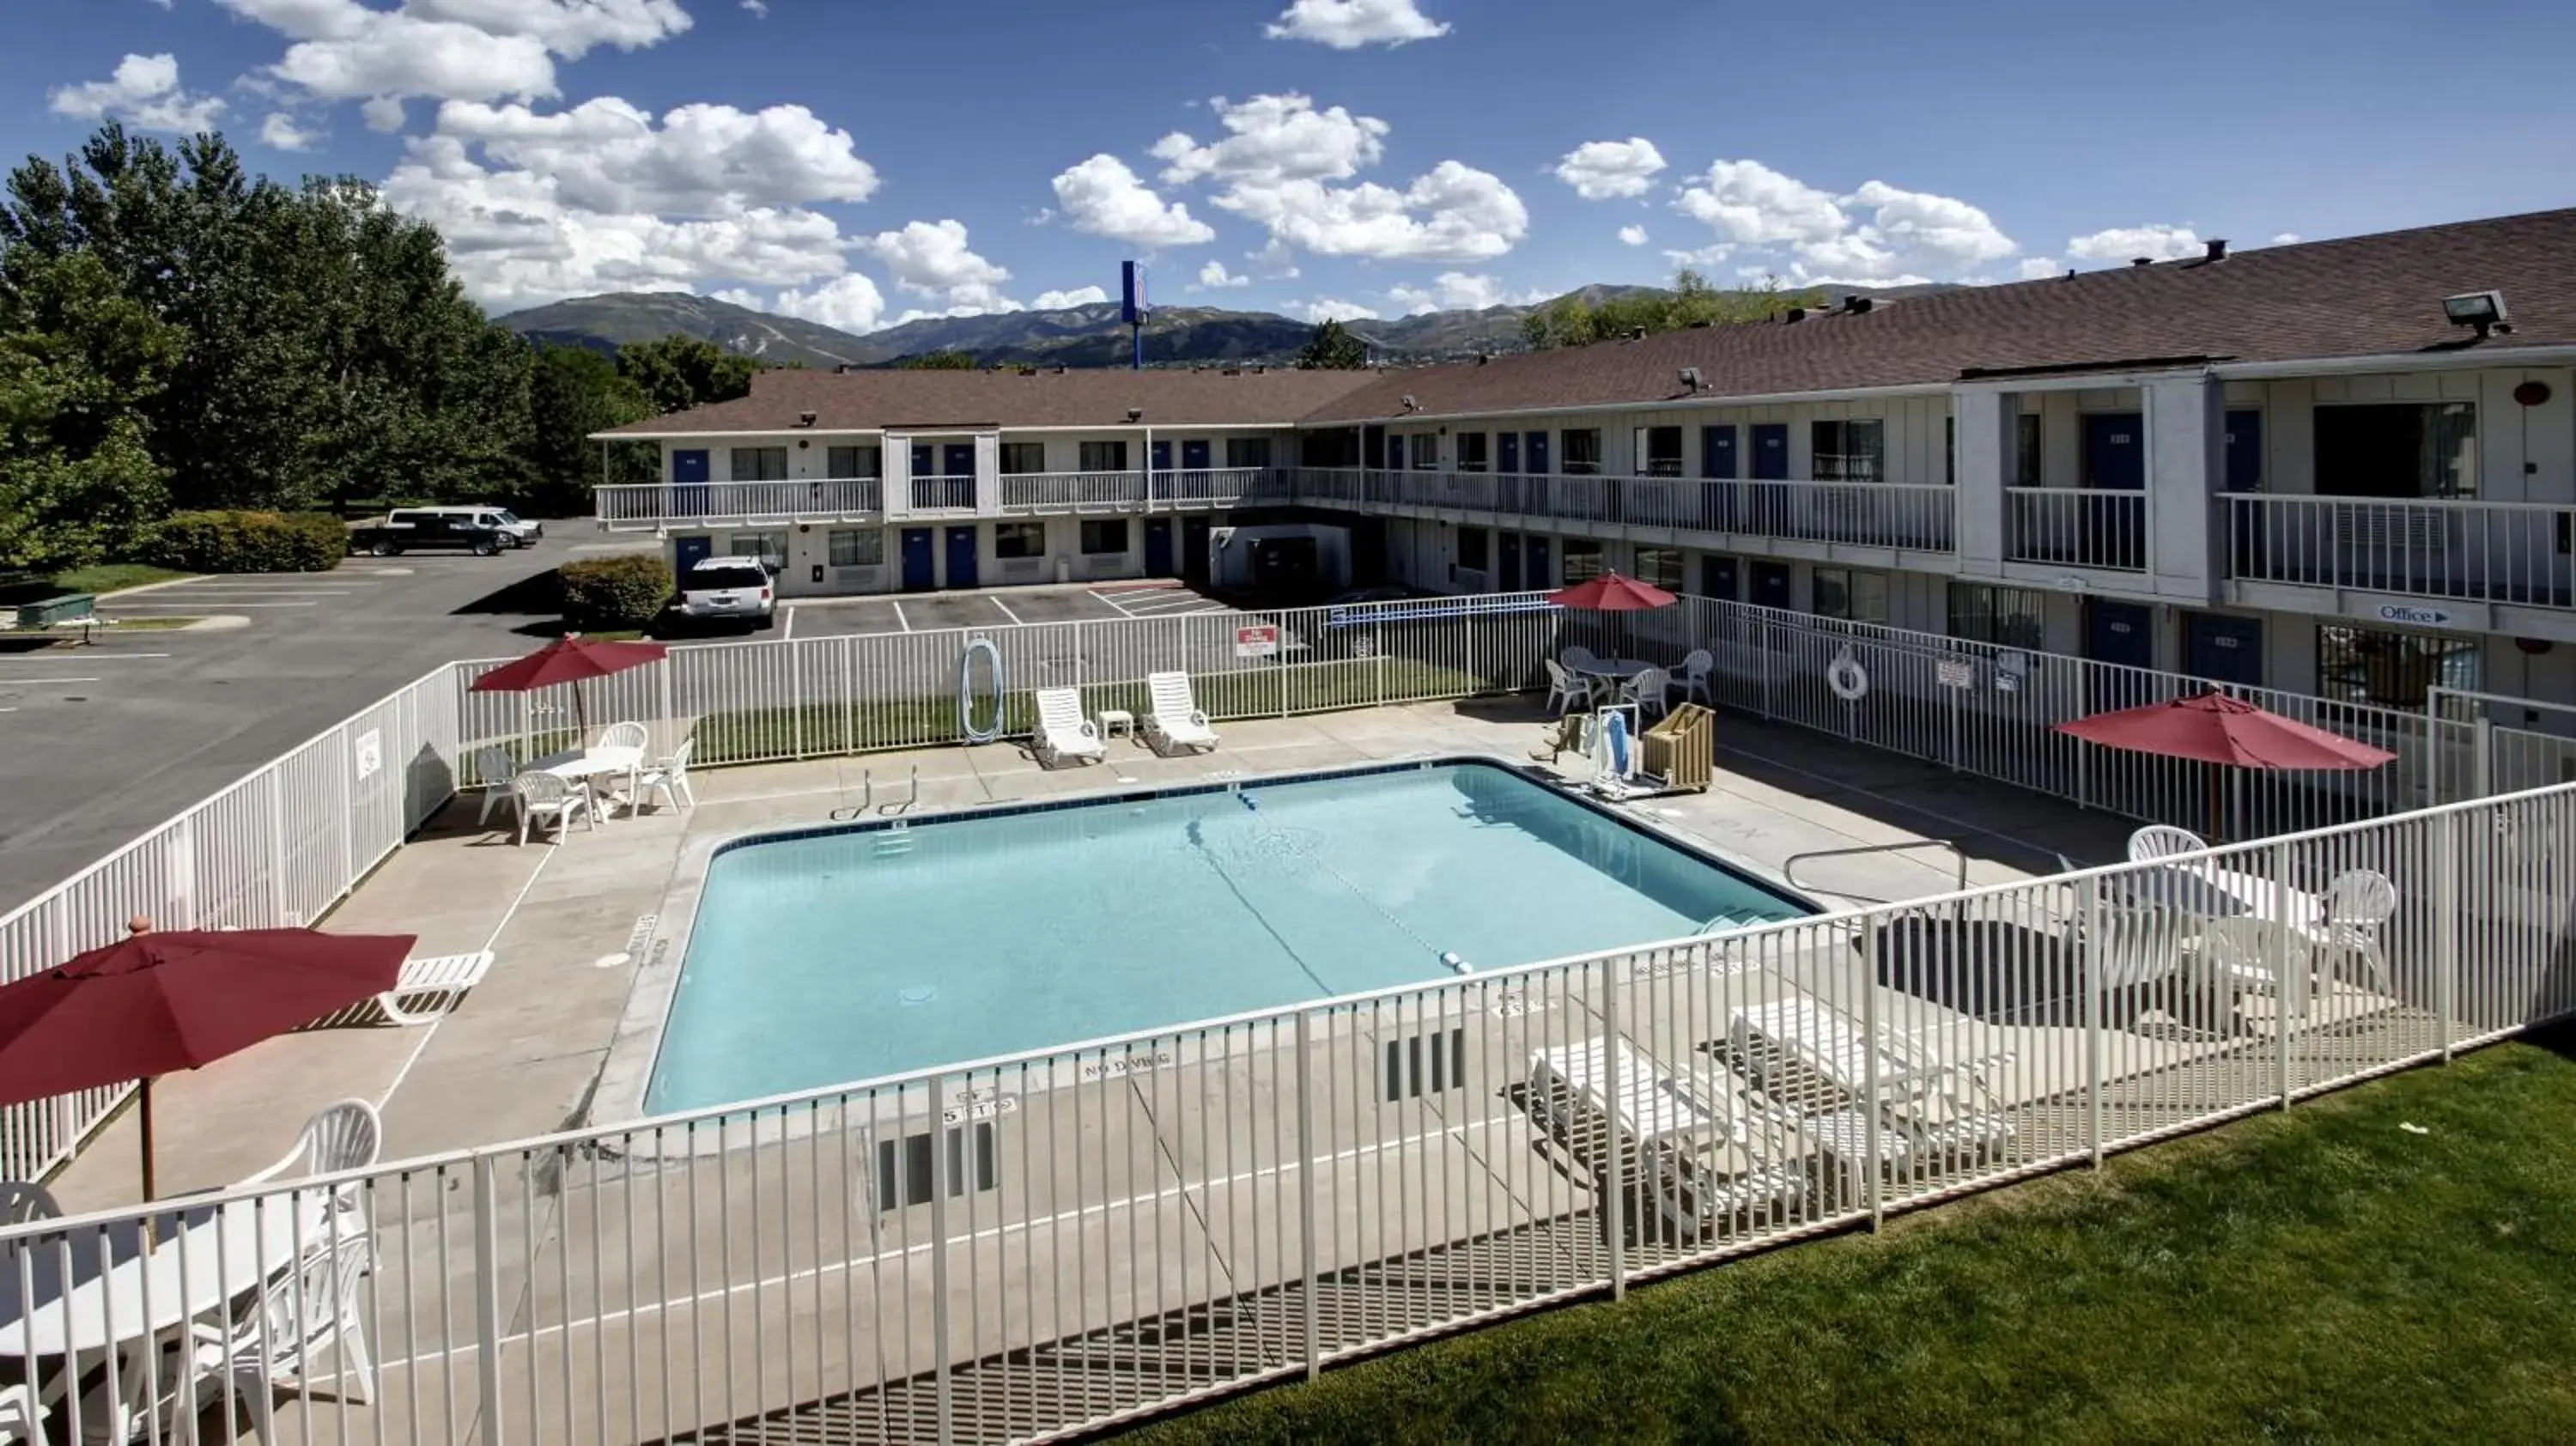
(2011, 617)
(848, 462)
(2026, 449)
(1471, 451)
(1579, 452)
(1853, 451)
(1852, 597)
(904, 1166)
(1110, 456)
(1104, 535)
(1426, 452)
(1475, 548)
(1582, 560)
(1661, 566)
(1019, 539)
(759, 464)
(1022, 458)
(1242, 452)
(2397, 450)
(769, 547)
(2391, 669)
(856, 548)
(1659, 451)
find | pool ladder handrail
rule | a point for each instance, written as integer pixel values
(1789, 870)
(868, 797)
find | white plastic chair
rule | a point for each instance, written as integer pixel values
(1693, 681)
(22, 1201)
(276, 1341)
(349, 1135)
(1650, 690)
(1062, 730)
(1565, 691)
(625, 735)
(1578, 659)
(2358, 904)
(1175, 721)
(669, 778)
(544, 799)
(2251, 955)
(429, 988)
(22, 1415)
(2163, 841)
(496, 770)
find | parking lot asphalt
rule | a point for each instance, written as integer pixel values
(99, 744)
(1007, 607)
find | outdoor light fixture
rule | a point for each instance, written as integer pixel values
(804, 419)
(1135, 414)
(2481, 309)
(1690, 378)
(1410, 404)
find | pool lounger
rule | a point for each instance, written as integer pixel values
(1062, 730)
(1932, 1107)
(1176, 721)
(1667, 1120)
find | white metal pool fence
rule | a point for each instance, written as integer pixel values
(285, 843)
(1046, 1243)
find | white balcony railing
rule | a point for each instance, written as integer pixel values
(2076, 527)
(664, 504)
(2516, 553)
(1915, 516)
(654, 503)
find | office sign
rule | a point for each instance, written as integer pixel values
(2412, 616)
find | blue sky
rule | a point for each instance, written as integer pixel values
(861, 161)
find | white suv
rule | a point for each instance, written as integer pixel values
(728, 587)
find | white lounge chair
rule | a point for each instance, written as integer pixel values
(1710, 1157)
(1943, 1109)
(1062, 730)
(669, 778)
(546, 799)
(1175, 721)
(429, 988)
(2163, 841)
(496, 770)
(2359, 904)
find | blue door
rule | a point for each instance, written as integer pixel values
(1771, 585)
(1194, 550)
(1717, 452)
(1507, 453)
(1770, 451)
(2115, 451)
(689, 483)
(1158, 547)
(1162, 454)
(1194, 484)
(920, 560)
(927, 491)
(2122, 633)
(1535, 571)
(2223, 649)
(1534, 463)
(1510, 543)
(961, 556)
(1194, 454)
(1718, 463)
(1717, 577)
(957, 463)
(2245, 451)
(688, 552)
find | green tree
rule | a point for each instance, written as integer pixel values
(78, 361)
(1572, 321)
(938, 361)
(679, 372)
(1332, 347)
(572, 393)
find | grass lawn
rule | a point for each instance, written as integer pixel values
(111, 576)
(2321, 1275)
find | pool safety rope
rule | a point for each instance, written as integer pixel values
(975, 647)
(1279, 842)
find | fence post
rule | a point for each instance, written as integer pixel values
(2446, 927)
(276, 846)
(1472, 676)
(1871, 942)
(487, 1297)
(2483, 758)
(2095, 946)
(670, 713)
(940, 1162)
(2281, 961)
(1279, 659)
(796, 699)
(1614, 1190)
(1306, 1148)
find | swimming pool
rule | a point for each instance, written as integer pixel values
(828, 955)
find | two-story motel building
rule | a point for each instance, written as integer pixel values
(2288, 466)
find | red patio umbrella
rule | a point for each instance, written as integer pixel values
(1611, 593)
(157, 1003)
(572, 659)
(2230, 732)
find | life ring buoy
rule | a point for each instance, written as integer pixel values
(1848, 679)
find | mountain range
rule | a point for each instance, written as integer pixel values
(1081, 336)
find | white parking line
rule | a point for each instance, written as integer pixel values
(6, 682)
(898, 614)
(203, 604)
(1006, 612)
(789, 634)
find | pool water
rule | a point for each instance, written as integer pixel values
(822, 958)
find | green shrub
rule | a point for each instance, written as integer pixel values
(625, 591)
(247, 542)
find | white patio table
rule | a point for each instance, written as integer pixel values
(586, 766)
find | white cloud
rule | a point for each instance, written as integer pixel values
(1059, 300)
(1878, 235)
(758, 8)
(608, 155)
(2286, 238)
(1278, 155)
(164, 4)
(1455, 291)
(1104, 198)
(2039, 268)
(1350, 24)
(1946, 230)
(451, 49)
(383, 114)
(850, 302)
(1328, 309)
(145, 91)
(740, 296)
(282, 132)
(931, 258)
(1749, 203)
(1214, 277)
(2127, 243)
(1632, 235)
(1601, 170)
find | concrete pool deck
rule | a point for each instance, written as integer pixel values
(519, 1057)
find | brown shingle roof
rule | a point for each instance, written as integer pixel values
(857, 401)
(2367, 296)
